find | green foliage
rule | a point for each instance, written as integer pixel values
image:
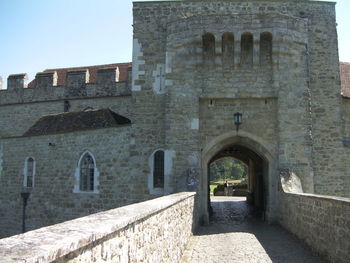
(219, 187)
(242, 185)
(212, 187)
(228, 169)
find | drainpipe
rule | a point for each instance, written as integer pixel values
(25, 196)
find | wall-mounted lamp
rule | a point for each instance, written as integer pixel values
(238, 119)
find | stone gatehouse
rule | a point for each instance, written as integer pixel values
(83, 140)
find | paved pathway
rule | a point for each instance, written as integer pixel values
(234, 235)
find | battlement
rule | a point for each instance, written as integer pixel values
(44, 80)
(66, 83)
(77, 78)
(108, 75)
(17, 81)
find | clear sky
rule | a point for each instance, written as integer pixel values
(40, 34)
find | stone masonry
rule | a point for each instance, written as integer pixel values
(151, 231)
(291, 105)
(195, 64)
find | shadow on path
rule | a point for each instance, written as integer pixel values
(235, 235)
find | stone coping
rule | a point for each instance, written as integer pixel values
(50, 243)
(186, 1)
(323, 197)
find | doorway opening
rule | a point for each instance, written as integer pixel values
(239, 171)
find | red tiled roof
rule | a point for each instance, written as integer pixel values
(345, 78)
(62, 73)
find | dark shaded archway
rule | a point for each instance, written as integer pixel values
(257, 174)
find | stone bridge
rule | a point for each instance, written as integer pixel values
(166, 230)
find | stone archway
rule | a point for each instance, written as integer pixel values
(256, 167)
(251, 151)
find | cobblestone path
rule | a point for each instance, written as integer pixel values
(234, 235)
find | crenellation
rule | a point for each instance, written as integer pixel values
(77, 78)
(46, 80)
(129, 79)
(108, 76)
(16, 82)
(76, 83)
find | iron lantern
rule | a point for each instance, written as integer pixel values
(238, 119)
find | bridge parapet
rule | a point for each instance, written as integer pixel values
(322, 222)
(151, 231)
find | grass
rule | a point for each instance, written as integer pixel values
(223, 181)
(212, 187)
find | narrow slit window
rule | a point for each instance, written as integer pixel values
(208, 40)
(158, 170)
(265, 49)
(247, 50)
(228, 49)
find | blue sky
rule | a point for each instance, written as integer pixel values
(40, 34)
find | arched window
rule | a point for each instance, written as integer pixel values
(158, 169)
(86, 174)
(29, 172)
(247, 50)
(208, 40)
(228, 49)
(265, 49)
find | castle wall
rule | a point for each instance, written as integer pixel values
(195, 63)
(52, 199)
(346, 143)
(16, 119)
(324, 81)
(21, 107)
(302, 78)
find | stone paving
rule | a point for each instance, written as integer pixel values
(235, 235)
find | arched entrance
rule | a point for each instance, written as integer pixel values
(256, 187)
(261, 182)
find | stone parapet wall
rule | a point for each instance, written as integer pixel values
(59, 84)
(151, 231)
(21, 95)
(322, 222)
